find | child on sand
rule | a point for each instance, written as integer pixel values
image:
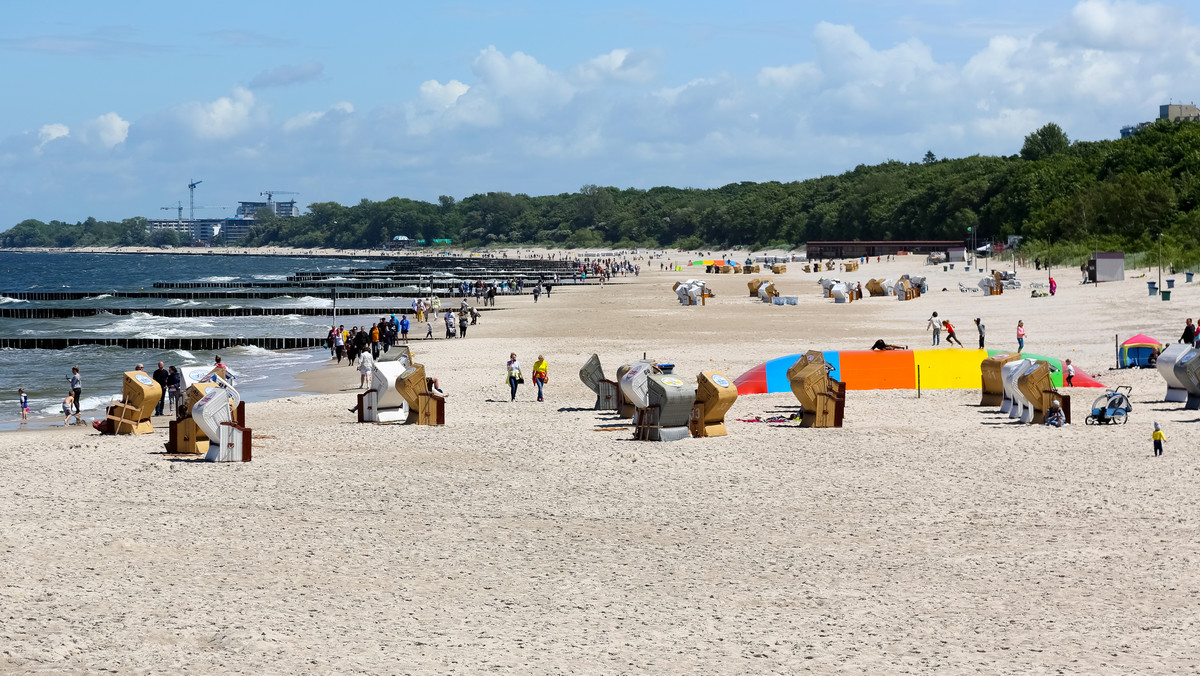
(1158, 438)
(24, 398)
(950, 337)
(1070, 373)
(66, 409)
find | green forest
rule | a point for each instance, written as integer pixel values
(1139, 194)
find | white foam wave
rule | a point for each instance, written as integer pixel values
(6, 299)
(87, 404)
(100, 297)
(312, 301)
(185, 355)
(143, 325)
(271, 278)
(216, 278)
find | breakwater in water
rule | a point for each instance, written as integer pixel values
(179, 343)
(182, 312)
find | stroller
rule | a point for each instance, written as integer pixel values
(1112, 407)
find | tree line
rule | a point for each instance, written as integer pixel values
(1064, 198)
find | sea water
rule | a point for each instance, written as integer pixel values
(262, 374)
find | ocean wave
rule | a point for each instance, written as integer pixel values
(6, 299)
(312, 301)
(100, 297)
(181, 301)
(216, 278)
(185, 355)
(143, 325)
(270, 278)
(87, 404)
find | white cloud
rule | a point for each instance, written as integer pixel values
(527, 86)
(437, 95)
(224, 118)
(787, 77)
(107, 130)
(1108, 24)
(623, 65)
(1011, 123)
(308, 119)
(50, 132)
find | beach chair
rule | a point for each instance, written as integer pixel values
(183, 435)
(425, 407)
(822, 399)
(1036, 386)
(668, 409)
(592, 376)
(992, 382)
(715, 394)
(131, 415)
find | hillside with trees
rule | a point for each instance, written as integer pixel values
(1063, 197)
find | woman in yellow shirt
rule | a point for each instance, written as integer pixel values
(540, 374)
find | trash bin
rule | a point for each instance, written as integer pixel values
(1188, 275)
(1166, 295)
(945, 268)
(952, 266)
(1153, 288)
(1170, 283)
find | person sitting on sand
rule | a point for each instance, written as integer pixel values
(880, 345)
(1055, 416)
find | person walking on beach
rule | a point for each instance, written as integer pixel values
(23, 399)
(936, 327)
(463, 320)
(160, 377)
(1070, 369)
(365, 362)
(982, 331)
(428, 330)
(540, 374)
(1158, 437)
(514, 375)
(339, 343)
(1189, 333)
(174, 393)
(76, 386)
(404, 329)
(1020, 336)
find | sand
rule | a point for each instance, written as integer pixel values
(927, 534)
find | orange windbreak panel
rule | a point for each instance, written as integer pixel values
(878, 370)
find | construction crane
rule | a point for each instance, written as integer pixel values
(179, 209)
(271, 193)
(192, 198)
(179, 206)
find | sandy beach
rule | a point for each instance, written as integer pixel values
(927, 534)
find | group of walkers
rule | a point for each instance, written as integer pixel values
(937, 325)
(515, 378)
(383, 334)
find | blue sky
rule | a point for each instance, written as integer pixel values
(113, 107)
